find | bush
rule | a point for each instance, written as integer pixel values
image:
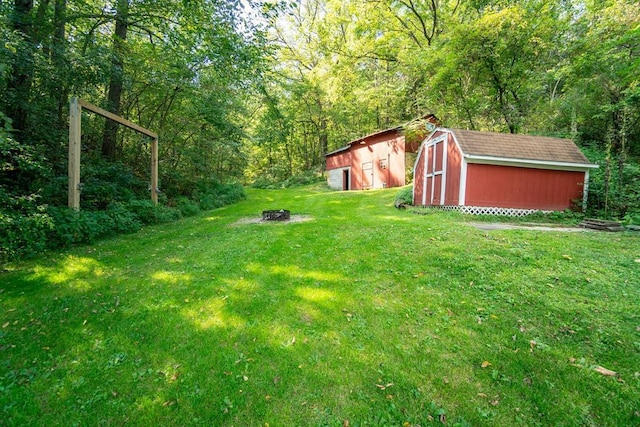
(122, 221)
(404, 196)
(106, 183)
(303, 178)
(187, 207)
(23, 218)
(623, 194)
(74, 227)
(22, 235)
(148, 213)
(211, 194)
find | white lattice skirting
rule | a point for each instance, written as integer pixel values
(484, 210)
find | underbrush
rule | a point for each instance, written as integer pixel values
(305, 178)
(29, 227)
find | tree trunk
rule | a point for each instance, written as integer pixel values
(116, 80)
(19, 85)
(58, 59)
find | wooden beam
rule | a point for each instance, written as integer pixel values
(118, 119)
(75, 123)
(75, 120)
(154, 171)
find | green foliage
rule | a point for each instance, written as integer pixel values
(106, 183)
(22, 234)
(613, 195)
(301, 179)
(187, 207)
(148, 213)
(404, 196)
(24, 221)
(211, 194)
(72, 227)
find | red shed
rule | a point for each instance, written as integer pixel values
(377, 160)
(494, 173)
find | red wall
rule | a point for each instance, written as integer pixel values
(388, 147)
(523, 188)
(454, 166)
(496, 186)
(339, 160)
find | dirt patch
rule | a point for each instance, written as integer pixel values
(292, 220)
(490, 226)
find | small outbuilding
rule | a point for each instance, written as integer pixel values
(504, 174)
(378, 160)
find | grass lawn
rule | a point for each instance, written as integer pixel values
(362, 315)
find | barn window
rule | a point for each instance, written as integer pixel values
(383, 163)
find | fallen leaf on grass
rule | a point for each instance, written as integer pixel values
(385, 386)
(604, 371)
(485, 364)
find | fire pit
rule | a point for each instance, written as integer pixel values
(276, 215)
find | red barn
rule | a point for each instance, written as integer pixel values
(494, 173)
(377, 160)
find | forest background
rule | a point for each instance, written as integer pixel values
(258, 92)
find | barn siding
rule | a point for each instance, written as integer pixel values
(374, 151)
(338, 160)
(524, 188)
(418, 179)
(379, 148)
(454, 165)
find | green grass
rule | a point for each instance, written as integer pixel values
(364, 315)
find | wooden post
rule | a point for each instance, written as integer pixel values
(154, 171)
(75, 116)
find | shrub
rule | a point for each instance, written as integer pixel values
(187, 207)
(148, 213)
(23, 219)
(623, 193)
(211, 194)
(404, 196)
(265, 182)
(122, 221)
(106, 183)
(303, 178)
(22, 235)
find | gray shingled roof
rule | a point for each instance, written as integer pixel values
(512, 146)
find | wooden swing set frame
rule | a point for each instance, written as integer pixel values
(75, 133)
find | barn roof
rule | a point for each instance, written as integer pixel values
(429, 117)
(525, 147)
